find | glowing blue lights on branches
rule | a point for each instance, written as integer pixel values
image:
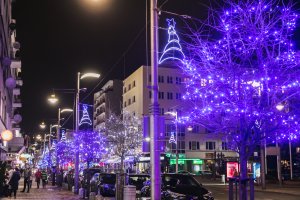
(173, 49)
(85, 116)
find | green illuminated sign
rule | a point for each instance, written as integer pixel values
(182, 161)
(198, 162)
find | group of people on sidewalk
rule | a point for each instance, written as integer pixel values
(13, 177)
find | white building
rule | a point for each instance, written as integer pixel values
(10, 83)
(198, 150)
(108, 100)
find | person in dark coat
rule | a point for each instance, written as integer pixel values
(14, 182)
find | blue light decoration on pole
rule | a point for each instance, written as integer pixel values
(172, 138)
(85, 119)
(173, 49)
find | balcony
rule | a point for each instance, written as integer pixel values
(17, 103)
(16, 64)
(19, 82)
(15, 127)
(16, 91)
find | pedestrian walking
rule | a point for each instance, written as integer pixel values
(44, 178)
(14, 182)
(27, 180)
(38, 176)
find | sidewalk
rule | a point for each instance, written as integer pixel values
(284, 189)
(49, 193)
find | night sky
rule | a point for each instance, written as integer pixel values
(61, 37)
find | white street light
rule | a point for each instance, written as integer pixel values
(52, 99)
(91, 75)
(66, 110)
(38, 137)
(280, 107)
(43, 125)
(147, 139)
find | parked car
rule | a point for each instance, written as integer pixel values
(173, 186)
(107, 184)
(186, 172)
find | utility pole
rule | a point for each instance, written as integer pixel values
(291, 160)
(76, 131)
(154, 108)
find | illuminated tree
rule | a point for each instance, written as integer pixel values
(124, 136)
(243, 70)
(90, 145)
(65, 152)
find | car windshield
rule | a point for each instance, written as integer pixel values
(173, 181)
(108, 179)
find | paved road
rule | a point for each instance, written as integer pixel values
(221, 193)
(50, 193)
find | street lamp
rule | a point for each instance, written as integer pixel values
(79, 77)
(53, 99)
(174, 114)
(43, 125)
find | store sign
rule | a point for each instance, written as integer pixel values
(144, 159)
(198, 162)
(256, 170)
(232, 169)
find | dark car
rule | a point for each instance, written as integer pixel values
(179, 184)
(107, 184)
(187, 185)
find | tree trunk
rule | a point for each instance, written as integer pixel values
(243, 180)
(120, 181)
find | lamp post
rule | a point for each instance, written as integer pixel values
(175, 114)
(154, 107)
(79, 77)
(280, 107)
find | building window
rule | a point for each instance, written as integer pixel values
(178, 80)
(196, 129)
(210, 145)
(125, 104)
(194, 145)
(169, 79)
(178, 96)
(161, 111)
(133, 84)
(124, 90)
(133, 99)
(129, 101)
(161, 95)
(150, 94)
(170, 128)
(160, 79)
(129, 87)
(181, 130)
(181, 146)
(170, 95)
(224, 146)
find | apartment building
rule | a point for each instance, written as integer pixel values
(10, 83)
(108, 100)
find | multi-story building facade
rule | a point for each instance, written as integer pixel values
(198, 150)
(108, 100)
(10, 83)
